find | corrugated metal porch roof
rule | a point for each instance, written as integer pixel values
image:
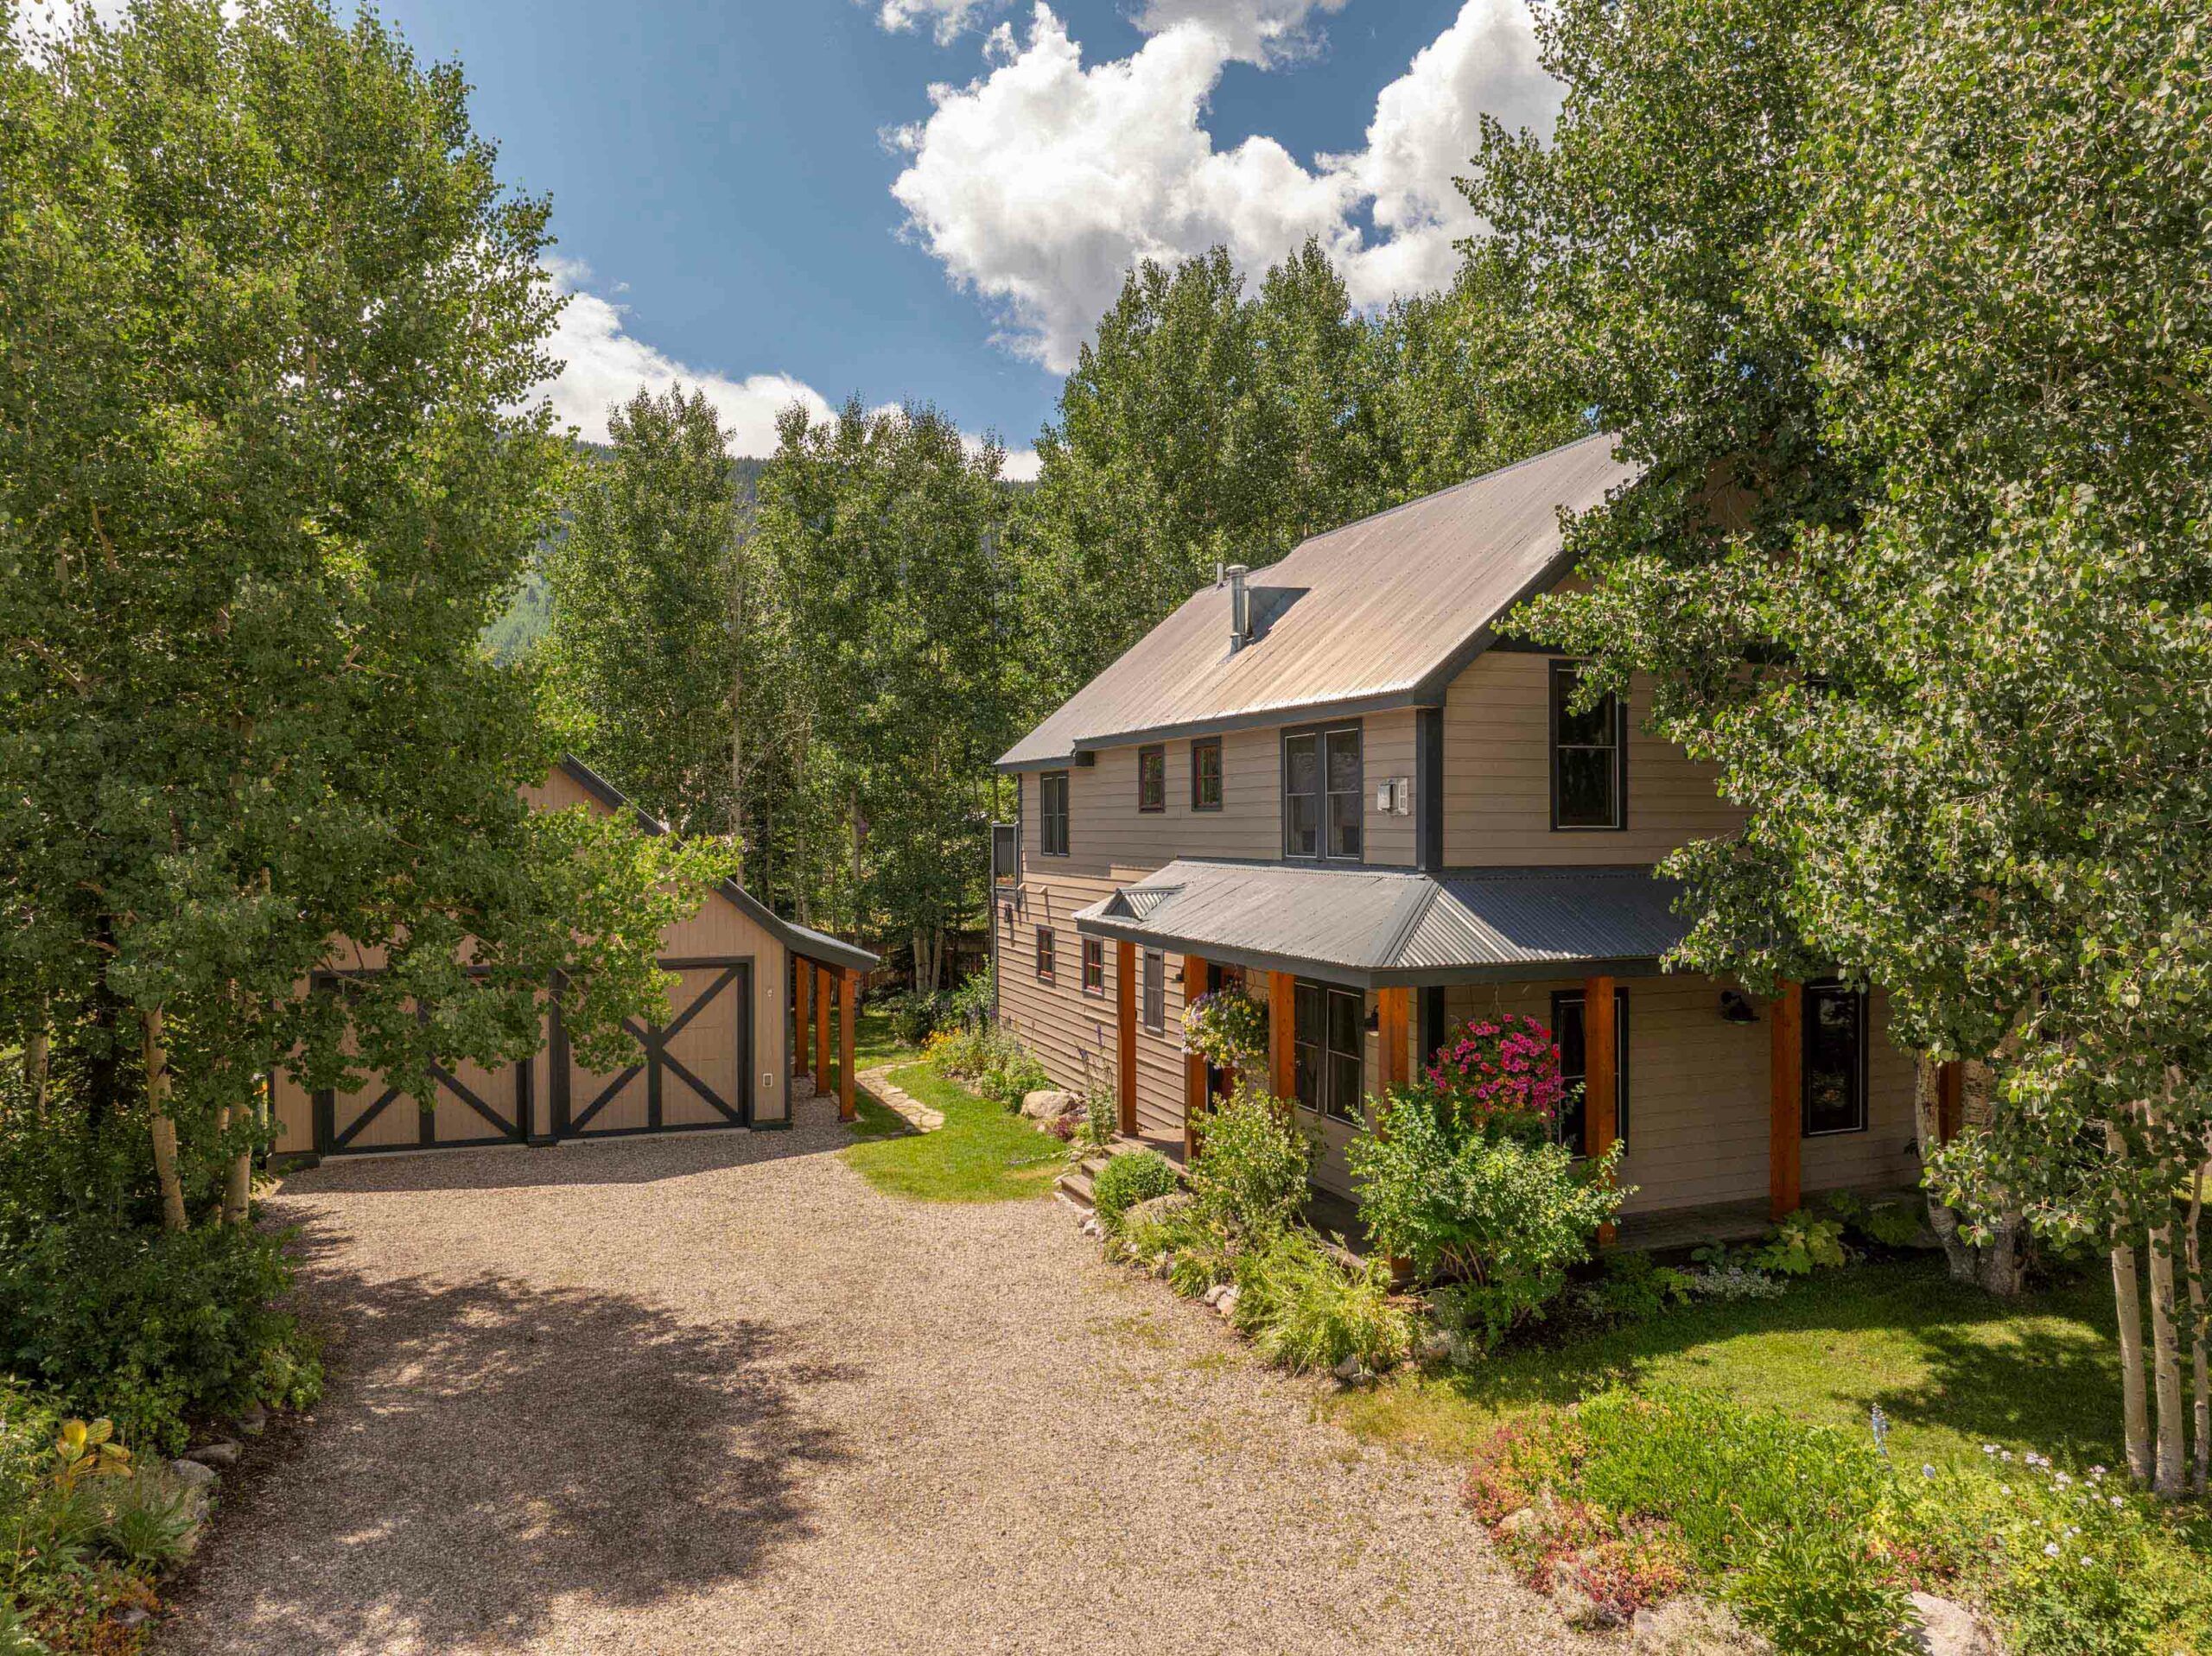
(1369, 927)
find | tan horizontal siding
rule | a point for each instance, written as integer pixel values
(1498, 778)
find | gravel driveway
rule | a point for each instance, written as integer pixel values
(711, 1393)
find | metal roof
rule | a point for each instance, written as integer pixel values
(1379, 613)
(1369, 927)
(816, 946)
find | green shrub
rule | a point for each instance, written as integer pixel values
(1306, 1309)
(1504, 1215)
(1249, 1175)
(1809, 1591)
(1102, 1115)
(917, 1014)
(975, 1003)
(1799, 1243)
(1885, 1224)
(149, 1520)
(1127, 1180)
(151, 1327)
(1631, 1288)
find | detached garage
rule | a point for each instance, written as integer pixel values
(725, 1057)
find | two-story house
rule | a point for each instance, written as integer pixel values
(1332, 781)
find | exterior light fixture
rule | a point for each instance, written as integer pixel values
(1736, 1007)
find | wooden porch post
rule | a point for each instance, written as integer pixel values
(823, 990)
(1600, 1075)
(1194, 1067)
(1282, 1036)
(847, 1007)
(802, 1010)
(1125, 1036)
(1950, 1100)
(1785, 1121)
(1394, 1034)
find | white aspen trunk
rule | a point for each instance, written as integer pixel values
(156, 1056)
(238, 1177)
(2200, 1343)
(2134, 1414)
(2168, 1475)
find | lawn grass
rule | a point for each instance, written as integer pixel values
(982, 1153)
(1952, 1368)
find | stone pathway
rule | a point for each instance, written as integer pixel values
(878, 1085)
(711, 1393)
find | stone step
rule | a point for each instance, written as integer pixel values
(1076, 1185)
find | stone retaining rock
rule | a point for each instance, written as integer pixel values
(1050, 1104)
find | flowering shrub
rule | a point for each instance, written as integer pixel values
(1228, 1029)
(1816, 1538)
(1499, 1065)
(1250, 1173)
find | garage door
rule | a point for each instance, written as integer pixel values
(692, 1072)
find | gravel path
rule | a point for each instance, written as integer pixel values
(711, 1393)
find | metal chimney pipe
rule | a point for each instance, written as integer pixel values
(1240, 608)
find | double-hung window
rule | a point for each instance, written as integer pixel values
(1589, 757)
(1321, 801)
(1152, 777)
(1328, 1041)
(1570, 1031)
(1093, 966)
(1053, 813)
(1044, 954)
(1205, 774)
(1155, 998)
(1835, 1059)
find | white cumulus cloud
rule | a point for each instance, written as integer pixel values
(604, 366)
(1039, 184)
(943, 18)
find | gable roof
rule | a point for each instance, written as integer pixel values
(1382, 612)
(1372, 927)
(816, 946)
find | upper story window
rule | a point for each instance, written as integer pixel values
(1589, 757)
(1835, 1059)
(1321, 801)
(1152, 777)
(1205, 774)
(1053, 813)
(1570, 1031)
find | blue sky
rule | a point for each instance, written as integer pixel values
(770, 200)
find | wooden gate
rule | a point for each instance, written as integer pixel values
(695, 1071)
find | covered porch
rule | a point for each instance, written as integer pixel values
(1396, 947)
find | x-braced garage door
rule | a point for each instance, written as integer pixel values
(695, 1071)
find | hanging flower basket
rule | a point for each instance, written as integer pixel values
(1228, 1029)
(1499, 1064)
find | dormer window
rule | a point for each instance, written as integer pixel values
(1321, 801)
(1589, 757)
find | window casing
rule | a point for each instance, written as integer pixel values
(1322, 805)
(1152, 777)
(1569, 1030)
(1155, 997)
(1053, 813)
(1329, 1043)
(1589, 757)
(1835, 1060)
(1205, 774)
(1044, 954)
(1093, 966)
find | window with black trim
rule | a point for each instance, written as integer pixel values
(1321, 802)
(1835, 1059)
(1093, 966)
(1155, 998)
(1152, 777)
(1205, 774)
(1569, 1031)
(1589, 757)
(1053, 813)
(1328, 1042)
(1045, 954)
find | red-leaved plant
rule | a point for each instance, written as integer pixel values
(1499, 1064)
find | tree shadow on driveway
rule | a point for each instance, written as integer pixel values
(491, 1448)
